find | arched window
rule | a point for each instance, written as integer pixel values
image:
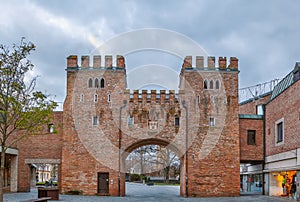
(102, 83)
(96, 83)
(205, 84)
(211, 84)
(90, 83)
(217, 84)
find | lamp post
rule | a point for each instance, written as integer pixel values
(186, 148)
(120, 138)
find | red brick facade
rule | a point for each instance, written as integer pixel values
(37, 149)
(251, 153)
(250, 106)
(93, 143)
(285, 106)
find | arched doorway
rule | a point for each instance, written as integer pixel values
(152, 162)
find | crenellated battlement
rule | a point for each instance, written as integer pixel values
(210, 63)
(72, 61)
(152, 96)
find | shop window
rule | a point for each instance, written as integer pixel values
(177, 121)
(259, 110)
(251, 137)
(205, 84)
(217, 84)
(279, 131)
(211, 121)
(96, 83)
(95, 120)
(90, 84)
(211, 84)
(102, 82)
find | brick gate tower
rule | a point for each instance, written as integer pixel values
(104, 122)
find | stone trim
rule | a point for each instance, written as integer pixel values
(39, 161)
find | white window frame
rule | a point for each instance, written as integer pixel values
(276, 130)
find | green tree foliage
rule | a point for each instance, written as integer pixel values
(23, 111)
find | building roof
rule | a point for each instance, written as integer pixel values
(250, 116)
(283, 85)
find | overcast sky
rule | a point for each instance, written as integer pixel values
(264, 35)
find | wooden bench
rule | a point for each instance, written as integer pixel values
(43, 199)
(48, 192)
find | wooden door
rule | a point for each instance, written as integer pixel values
(103, 180)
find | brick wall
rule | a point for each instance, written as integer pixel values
(250, 106)
(287, 106)
(44, 146)
(251, 152)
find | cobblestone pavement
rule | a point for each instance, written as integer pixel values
(139, 192)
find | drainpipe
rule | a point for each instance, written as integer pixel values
(186, 148)
(120, 137)
(264, 148)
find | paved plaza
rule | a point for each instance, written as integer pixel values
(139, 192)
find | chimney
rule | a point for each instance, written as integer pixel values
(222, 62)
(85, 61)
(108, 61)
(199, 62)
(97, 61)
(72, 61)
(120, 61)
(211, 62)
(234, 63)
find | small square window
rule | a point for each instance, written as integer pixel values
(251, 137)
(211, 121)
(177, 121)
(259, 110)
(95, 120)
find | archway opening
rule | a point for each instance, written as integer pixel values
(153, 167)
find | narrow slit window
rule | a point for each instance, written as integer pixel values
(177, 121)
(108, 98)
(90, 84)
(96, 83)
(211, 121)
(95, 120)
(205, 84)
(211, 84)
(217, 84)
(102, 82)
(130, 120)
(95, 98)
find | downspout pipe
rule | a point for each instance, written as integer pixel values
(264, 148)
(119, 154)
(186, 148)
